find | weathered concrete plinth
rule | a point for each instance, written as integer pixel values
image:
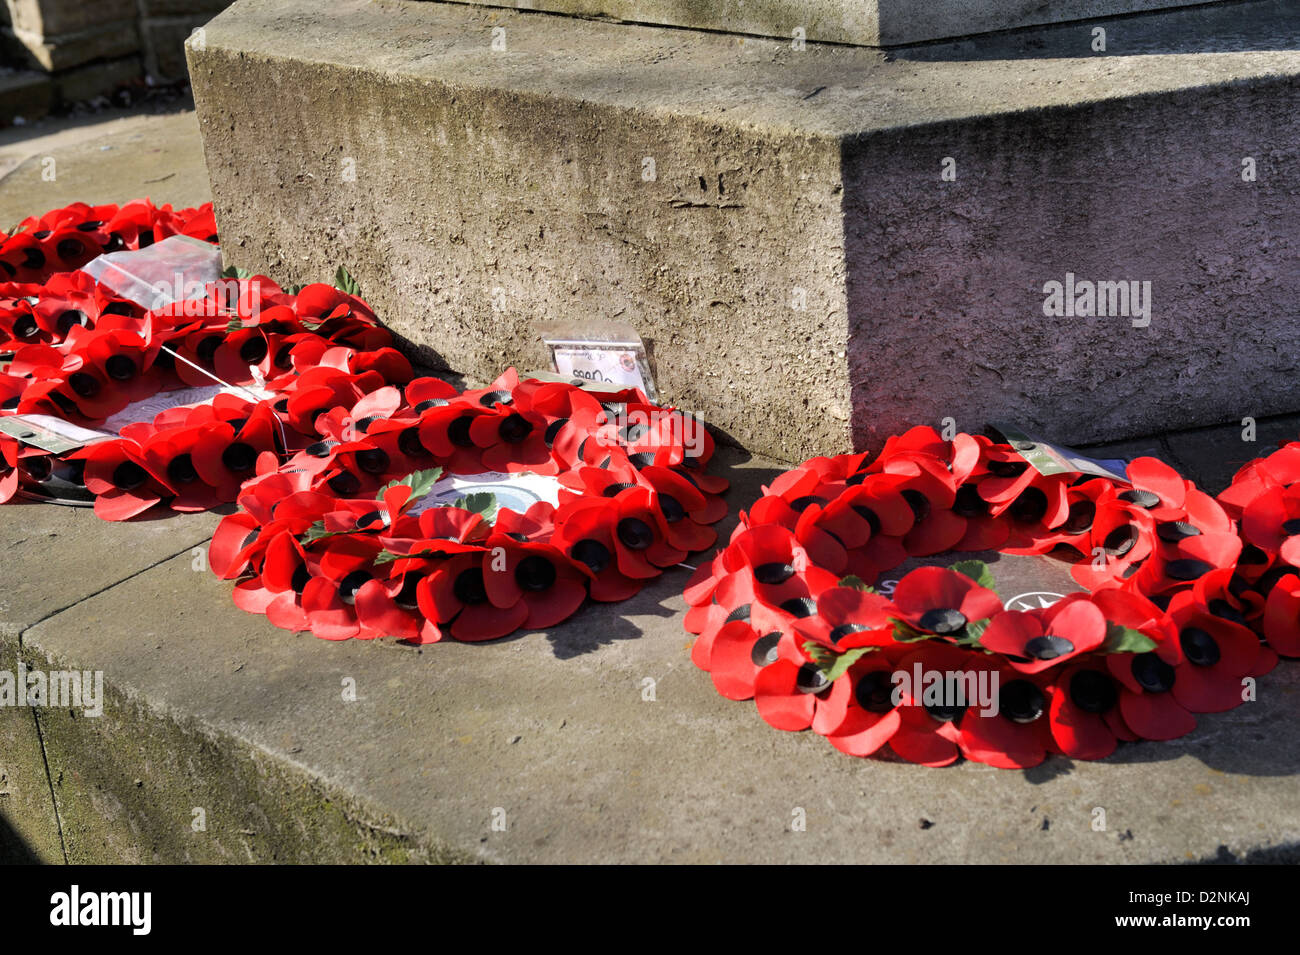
(860, 22)
(777, 223)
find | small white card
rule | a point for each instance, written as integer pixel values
(612, 365)
(518, 491)
(50, 433)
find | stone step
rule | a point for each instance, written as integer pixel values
(25, 96)
(777, 222)
(222, 739)
(861, 22)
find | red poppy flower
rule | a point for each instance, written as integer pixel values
(1216, 652)
(1279, 469)
(1271, 522)
(1282, 616)
(738, 652)
(1157, 487)
(732, 600)
(119, 476)
(586, 531)
(1145, 700)
(1015, 733)
(871, 718)
(1174, 565)
(847, 618)
(941, 601)
(869, 520)
(783, 575)
(797, 696)
(931, 703)
(537, 523)
(1034, 640)
(390, 606)
(930, 491)
(171, 452)
(536, 574)
(18, 325)
(1084, 713)
(512, 441)
(24, 259)
(1119, 541)
(8, 467)
(456, 593)
(224, 457)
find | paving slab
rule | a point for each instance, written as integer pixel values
(56, 556)
(595, 741)
(776, 223)
(112, 158)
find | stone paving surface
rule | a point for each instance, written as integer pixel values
(213, 716)
(112, 157)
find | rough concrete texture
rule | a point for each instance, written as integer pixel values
(102, 41)
(56, 557)
(163, 42)
(560, 737)
(25, 96)
(783, 178)
(29, 828)
(861, 22)
(93, 47)
(112, 157)
(53, 17)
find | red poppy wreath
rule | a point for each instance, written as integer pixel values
(1173, 620)
(370, 502)
(337, 540)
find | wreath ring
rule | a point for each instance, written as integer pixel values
(331, 448)
(1164, 626)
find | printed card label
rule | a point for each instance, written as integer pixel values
(613, 365)
(50, 434)
(1047, 458)
(517, 492)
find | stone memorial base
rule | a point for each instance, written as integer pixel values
(821, 247)
(858, 22)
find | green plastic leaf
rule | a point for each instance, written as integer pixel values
(1125, 640)
(388, 556)
(483, 503)
(236, 272)
(317, 532)
(904, 632)
(834, 665)
(972, 633)
(344, 282)
(420, 483)
(977, 571)
(857, 583)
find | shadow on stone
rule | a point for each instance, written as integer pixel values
(1221, 28)
(14, 850)
(1273, 855)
